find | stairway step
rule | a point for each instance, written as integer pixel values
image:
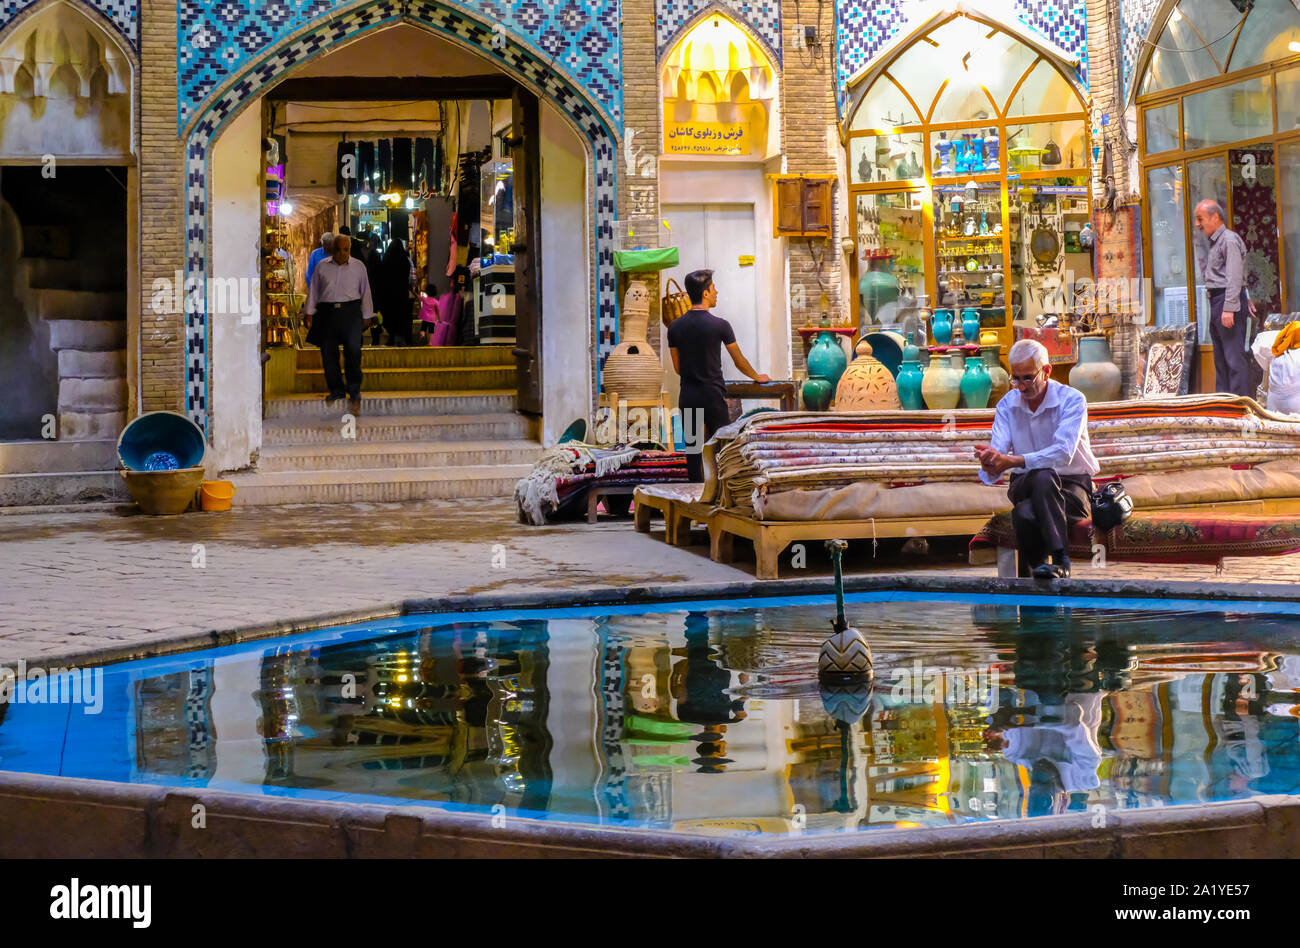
(464, 402)
(78, 363)
(56, 274)
(79, 304)
(92, 426)
(47, 240)
(410, 429)
(92, 395)
(419, 357)
(433, 379)
(88, 335)
(369, 455)
(62, 487)
(36, 457)
(384, 485)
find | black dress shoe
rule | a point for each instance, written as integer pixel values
(1051, 571)
(331, 399)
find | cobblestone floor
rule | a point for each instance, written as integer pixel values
(80, 582)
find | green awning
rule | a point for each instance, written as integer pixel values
(645, 261)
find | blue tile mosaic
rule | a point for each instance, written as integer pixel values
(761, 17)
(865, 26)
(1137, 17)
(122, 15)
(217, 38)
(513, 57)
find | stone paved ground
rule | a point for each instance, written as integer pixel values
(72, 583)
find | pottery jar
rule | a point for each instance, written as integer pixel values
(941, 387)
(941, 326)
(1095, 374)
(1000, 377)
(910, 378)
(970, 324)
(826, 359)
(975, 383)
(867, 384)
(816, 394)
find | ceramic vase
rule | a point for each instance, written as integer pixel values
(1095, 374)
(991, 151)
(1000, 377)
(941, 387)
(975, 383)
(826, 359)
(941, 326)
(867, 384)
(970, 325)
(877, 287)
(816, 394)
(910, 378)
(632, 370)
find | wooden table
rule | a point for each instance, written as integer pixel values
(783, 389)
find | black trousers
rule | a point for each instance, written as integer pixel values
(1231, 366)
(1044, 505)
(342, 325)
(707, 405)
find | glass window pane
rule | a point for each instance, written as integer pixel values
(890, 241)
(1288, 100)
(1169, 65)
(1216, 21)
(1044, 92)
(965, 152)
(886, 157)
(1162, 128)
(1046, 146)
(1004, 60)
(1168, 245)
(963, 99)
(968, 244)
(914, 71)
(1289, 195)
(1207, 180)
(884, 107)
(1229, 113)
(1269, 30)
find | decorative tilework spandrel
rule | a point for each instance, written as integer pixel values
(446, 20)
(124, 15)
(1137, 17)
(216, 38)
(763, 17)
(865, 26)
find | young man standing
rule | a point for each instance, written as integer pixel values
(695, 341)
(1225, 280)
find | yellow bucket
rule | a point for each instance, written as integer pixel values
(216, 495)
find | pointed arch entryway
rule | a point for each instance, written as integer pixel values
(523, 64)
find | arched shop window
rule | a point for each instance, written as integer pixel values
(1218, 96)
(968, 175)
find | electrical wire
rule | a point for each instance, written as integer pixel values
(1194, 49)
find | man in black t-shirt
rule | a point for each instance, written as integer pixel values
(696, 340)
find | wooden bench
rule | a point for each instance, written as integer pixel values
(672, 503)
(771, 537)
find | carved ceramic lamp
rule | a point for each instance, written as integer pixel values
(633, 370)
(845, 656)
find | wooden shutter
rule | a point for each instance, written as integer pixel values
(789, 206)
(816, 207)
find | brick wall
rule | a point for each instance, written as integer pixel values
(808, 120)
(162, 335)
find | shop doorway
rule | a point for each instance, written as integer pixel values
(721, 238)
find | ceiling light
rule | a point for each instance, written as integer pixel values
(286, 208)
(410, 203)
(1294, 46)
(363, 199)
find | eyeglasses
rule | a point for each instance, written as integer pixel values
(1025, 379)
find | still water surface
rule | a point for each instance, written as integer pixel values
(707, 717)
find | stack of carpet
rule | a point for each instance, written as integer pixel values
(803, 466)
(562, 477)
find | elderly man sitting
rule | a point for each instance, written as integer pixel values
(1040, 435)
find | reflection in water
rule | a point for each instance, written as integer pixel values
(713, 721)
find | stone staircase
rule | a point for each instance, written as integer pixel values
(435, 424)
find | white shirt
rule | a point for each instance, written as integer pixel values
(1054, 436)
(332, 283)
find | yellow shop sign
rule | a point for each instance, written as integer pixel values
(707, 138)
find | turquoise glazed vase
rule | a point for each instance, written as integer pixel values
(816, 394)
(909, 381)
(941, 326)
(970, 325)
(877, 287)
(976, 383)
(827, 360)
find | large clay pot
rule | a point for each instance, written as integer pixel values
(877, 286)
(164, 492)
(1095, 374)
(816, 394)
(941, 326)
(867, 384)
(826, 359)
(909, 381)
(1000, 377)
(975, 383)
(632, 370)
(941, 387)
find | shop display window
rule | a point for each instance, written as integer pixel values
(1288, 100)
(1228, 113)
(1047, 146)
(891, 251)
(884, 107)
(1168, 245)
(968, 246)
(1162, 129)
(876, 158)
(1266, 35)
(1043, 92)
(966, 152)
(1207, 180)
(1289, 205)
(1051, 275)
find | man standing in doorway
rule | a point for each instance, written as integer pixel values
(695, 341)
(326, 249)
(340, 294)
(1225, 268)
